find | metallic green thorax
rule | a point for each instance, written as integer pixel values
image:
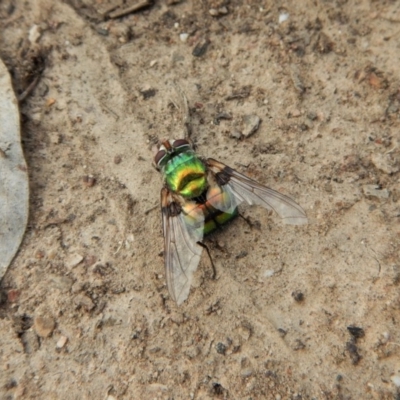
(185, 174)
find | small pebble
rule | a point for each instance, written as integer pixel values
(236, 134)
(50, 101)
(117, 160)
(385, 163)
(283, 17)
(44, 326)
(200, 48)
(148, 92)
(374, 81)
(84, 301)
(386, 337)
(268, 273)
(73, 260)
(89, 180)
(356, 331)
(221, 348)
(34, 34)
(282, 332)
(213, 12)
(184, 37)
(216, 12)
(62, 341)
(298, 296)
(251, 123)
(396, 380)
(13, 295)
(376, 191)
(246, 373)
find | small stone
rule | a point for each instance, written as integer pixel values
(117, 160)
(376, 191)
(236, 134)
(34, 34)
(223, 10)
(298, 296)
(73, 260)
(104, 31)
(84, 301)
(374, 80)
(36, 118)
(184, 37)
(312, 116)
(282, 332)
(39, 254)
(385, 163)
(61, 105)
(352, 349)
(268, 273)
(396, 380)
(200, 48)
(89, 180)
(246, 373)
(251, 123)
(213, 12)
(356, 331)
(147, 92)
(385, 337)
(13, 295)
(244, 332)
(61, 342)
(50, 101)
(283, 17)
(44, 326)
(221, 348)
(216, 12)
(306, 125)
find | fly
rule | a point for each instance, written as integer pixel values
(198, 196)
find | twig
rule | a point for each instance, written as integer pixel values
(133, 8)
(29, 89)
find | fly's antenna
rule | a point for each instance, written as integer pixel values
(184, 106)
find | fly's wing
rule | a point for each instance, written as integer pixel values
(245, 189)
(183, 227)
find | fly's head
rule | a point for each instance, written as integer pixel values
(168, 150)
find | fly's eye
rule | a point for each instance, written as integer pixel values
(180, 143)
(159, 157)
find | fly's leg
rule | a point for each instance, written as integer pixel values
(251, 224)
(209, 256)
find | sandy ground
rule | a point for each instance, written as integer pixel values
(85, 312)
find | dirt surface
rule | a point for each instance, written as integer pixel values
(85, 312)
